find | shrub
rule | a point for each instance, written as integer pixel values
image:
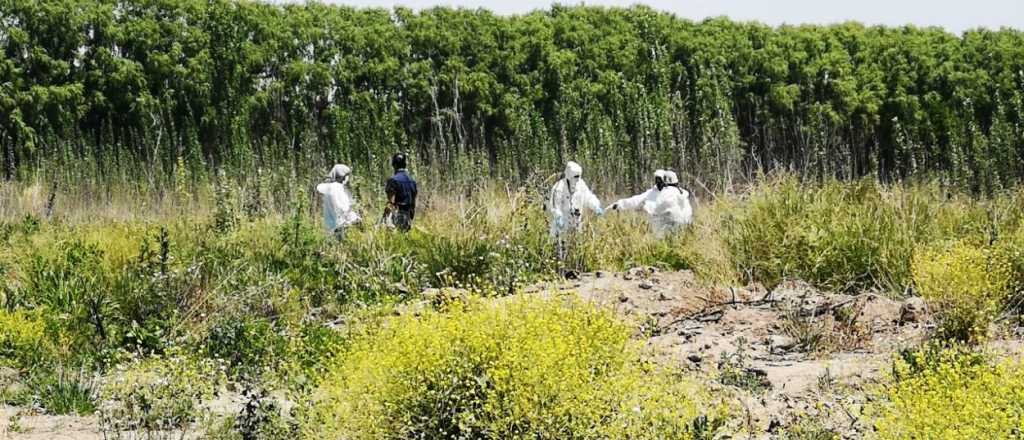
(733, 370)
(260, 417)
(1011, 249)
(969, 284)
(23, 341)
(149, 293)
(155, 397)
(311, 352)
(248, 345)
(73, 286)
(954, 399)
(516, 369)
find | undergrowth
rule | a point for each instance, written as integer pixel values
(951, 393)
(275, 301)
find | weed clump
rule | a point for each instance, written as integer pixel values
(156, 397)
(952, 395)
(969, 285)
(519, 368)
(23, 341)
(844, 237)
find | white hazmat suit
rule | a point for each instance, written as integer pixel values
(644, 200)
(672, 209)
(668, 208)
(569, 197)
(339, 211)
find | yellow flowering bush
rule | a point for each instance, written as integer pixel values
(968, 284)
(954, 400)
(518, 368)
(23, 341)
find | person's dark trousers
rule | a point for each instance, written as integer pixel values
(402, 220)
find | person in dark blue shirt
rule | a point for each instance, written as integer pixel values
(401, 192)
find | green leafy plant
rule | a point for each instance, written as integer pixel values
(23, 340)
(248, 346)
(64, 392)
(156, 397)
(733, 370)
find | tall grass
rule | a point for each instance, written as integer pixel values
(854, 236)
(131, 274)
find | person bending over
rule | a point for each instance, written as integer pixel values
(339, 209)
(401, 192)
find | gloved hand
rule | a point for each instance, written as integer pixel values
(599, 211)
(560, 222)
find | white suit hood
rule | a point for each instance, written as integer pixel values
(671, 178)
(339, 173)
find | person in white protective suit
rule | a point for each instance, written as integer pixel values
(569, 197)
(339, 211)
(672, 209)
(667, 205)
(644, 200)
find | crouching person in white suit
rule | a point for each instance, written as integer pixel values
(672, 210)
(667, 206)
(339, 212)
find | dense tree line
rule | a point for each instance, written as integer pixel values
(126, 88)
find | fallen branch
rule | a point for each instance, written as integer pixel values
(825, 308)
(715, 312)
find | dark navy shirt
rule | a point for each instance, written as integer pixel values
(402, 187)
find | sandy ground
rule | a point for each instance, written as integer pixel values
(695, 327)
(34, 426)
(699, 329)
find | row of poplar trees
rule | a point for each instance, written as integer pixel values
(115, 89)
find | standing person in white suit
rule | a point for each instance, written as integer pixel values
(569, 197)
(339, 211)
(667, 205)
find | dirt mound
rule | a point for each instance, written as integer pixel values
(787, 353)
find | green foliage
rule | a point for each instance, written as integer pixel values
(968, 284)
(809, 429)
(63, 392)
(261, 419)
(170, 90)
(73, 286)
(156, 397)
(312, 353)
(1010, 249)
(932, 355)
(149, 292)
(957, 397)
(248, 345)
(519, 368)
(734, 370)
